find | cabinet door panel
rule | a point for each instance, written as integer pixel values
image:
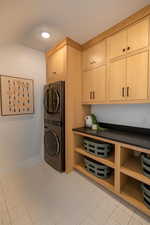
(138, 35)
(117, 80)
(137, 76)
(94, 56)
(99, 84)
(56, 65)
(87, 85)
(118, 44)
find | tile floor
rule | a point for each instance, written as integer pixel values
(41, 196)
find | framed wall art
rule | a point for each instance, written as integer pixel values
(17, 96)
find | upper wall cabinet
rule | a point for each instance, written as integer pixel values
(94, 85)
(95, 56)
(128, 78)
(99, 84)
(137, 76)
(133, 38)
(117, 44)
(87, 87)
(117, 80)
(138, 36)
(56, 65)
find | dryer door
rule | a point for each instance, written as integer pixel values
(52, 144)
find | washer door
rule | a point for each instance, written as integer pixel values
(52, 144)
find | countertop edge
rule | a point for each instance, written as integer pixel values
(112, 139)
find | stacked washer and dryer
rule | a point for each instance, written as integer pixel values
(54, 125)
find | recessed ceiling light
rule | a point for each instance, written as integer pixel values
(45, 35)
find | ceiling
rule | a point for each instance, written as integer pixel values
(22, 21)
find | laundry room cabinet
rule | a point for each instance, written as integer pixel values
(87, 87)
(128, 78)
(137, 36)
(94, 85)
(95, 56)
(137, 77)
(117, 44)
(56, 65)
(117, 80)
(133, 38)
(116, 70)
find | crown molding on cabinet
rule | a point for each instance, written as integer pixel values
(67, 41)
(121, 25)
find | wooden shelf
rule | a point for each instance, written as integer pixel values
(107, 161)
(132, 193)
(133, 169)
(108, 183)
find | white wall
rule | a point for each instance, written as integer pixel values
(132, 115)
(21, 136)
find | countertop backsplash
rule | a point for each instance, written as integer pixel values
(137, 115)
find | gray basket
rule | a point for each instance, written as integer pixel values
(145, 161)
(146, 194)
(97, 148)
(97, 169)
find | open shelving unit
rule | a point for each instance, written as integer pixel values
(127, 175)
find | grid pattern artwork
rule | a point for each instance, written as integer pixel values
(17, 96)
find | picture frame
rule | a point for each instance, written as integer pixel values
(16, 95)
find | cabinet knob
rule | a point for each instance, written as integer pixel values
(54, 72)
(128, 48)
(92, 62)
(123, 49)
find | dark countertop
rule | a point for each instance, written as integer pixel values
(131, 138)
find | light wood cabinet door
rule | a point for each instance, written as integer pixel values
(94, 56)
(117, 80)
(56, 65)
(87, 86)
(99, 84)
(138, 36)
(137, 76)
(118, 44)
(94, 85)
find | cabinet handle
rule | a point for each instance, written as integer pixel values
(93, 94)
(128, 91)
(123, 49)
(128, 48)
(90, 95)
(54, 72)
(123, 94)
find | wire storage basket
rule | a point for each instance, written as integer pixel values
(145, 161)
(97, 169)
(98, 148)
(146, 194)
